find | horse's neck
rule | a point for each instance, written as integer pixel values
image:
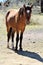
(23, 17)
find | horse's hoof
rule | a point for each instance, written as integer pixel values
(12, 48)
(20, 49)
(16, 50)
(7, 46)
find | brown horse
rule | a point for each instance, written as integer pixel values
(16, 22)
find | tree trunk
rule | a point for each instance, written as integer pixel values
(42, 6)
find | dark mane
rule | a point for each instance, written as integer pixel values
(20, 13)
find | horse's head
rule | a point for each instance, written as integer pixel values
(28, 10)
(25, 10)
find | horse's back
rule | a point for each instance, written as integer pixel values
(13, 12)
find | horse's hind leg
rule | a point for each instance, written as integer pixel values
(12, 40)
(17, 39)
(21, 37)
(8, 35)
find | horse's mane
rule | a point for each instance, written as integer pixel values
(20, 13)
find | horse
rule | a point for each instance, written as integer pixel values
(16, 22)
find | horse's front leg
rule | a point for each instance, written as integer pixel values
(17, 39)
(21, 37)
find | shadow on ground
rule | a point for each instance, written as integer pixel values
(29, 54)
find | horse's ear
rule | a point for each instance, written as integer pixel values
(24, 6)
(31, 6)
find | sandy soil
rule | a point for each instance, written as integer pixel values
(32, 53)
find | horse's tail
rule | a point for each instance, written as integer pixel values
(6, 18)
(7, 15)
(6, 21)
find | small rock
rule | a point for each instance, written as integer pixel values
(29, 39)
(34, 42)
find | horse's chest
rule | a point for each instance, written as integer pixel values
(21, 24)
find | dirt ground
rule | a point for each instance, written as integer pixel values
(32, 44)
(32, 50)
